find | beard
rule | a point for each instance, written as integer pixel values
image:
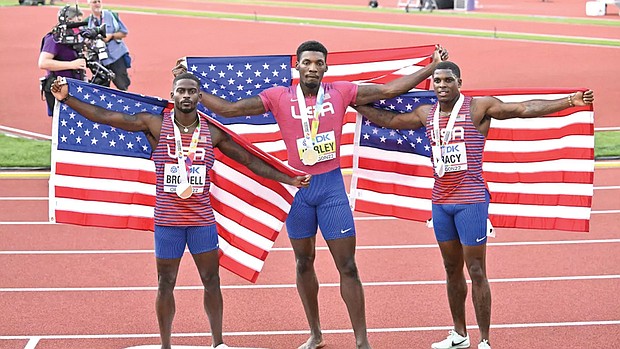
(312, 85)
(186, 110)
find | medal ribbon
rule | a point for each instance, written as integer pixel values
(310, 132)
(185, 162)
(437, 148)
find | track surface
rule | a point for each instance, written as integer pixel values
(78, 287)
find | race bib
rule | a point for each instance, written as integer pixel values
(454, 157)
(325, 146)
(196, 178)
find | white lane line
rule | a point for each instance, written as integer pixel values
(330, 331)
(355, 218)
(323, 248)
(292, 286)
(605, 212)
(32, 343)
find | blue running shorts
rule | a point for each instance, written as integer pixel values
(466, 222)
(325, 205)
(170, 241)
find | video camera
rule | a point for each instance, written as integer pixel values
(88, 43)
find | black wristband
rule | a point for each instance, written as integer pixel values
(64, 100)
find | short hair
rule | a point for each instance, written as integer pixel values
(185, 76)
(311, 45)
(450, 66)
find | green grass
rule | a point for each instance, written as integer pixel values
(19, 152)
(606, 144)
(389, 27)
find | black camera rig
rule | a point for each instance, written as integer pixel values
(89, 44)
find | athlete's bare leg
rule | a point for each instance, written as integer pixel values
(452, 253)
(343, 251)
(308, 289)
(167, 270)
(475, 259)
(208, 267)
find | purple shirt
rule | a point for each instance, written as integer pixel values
(61, 52)
(282, 102)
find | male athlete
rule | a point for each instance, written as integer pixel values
(183, 212)
(460, 198)
(310, 116)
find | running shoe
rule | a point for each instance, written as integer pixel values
(454, 340)
(484, 344)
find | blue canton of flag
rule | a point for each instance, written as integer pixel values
(410, 141)
(77, 133)
(234, 78)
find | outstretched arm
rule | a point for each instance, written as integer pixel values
(371, 93)
(496, 109)
(220, 106)
(391, 119)
(236, 152)
(138, 122)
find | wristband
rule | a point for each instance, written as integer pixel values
(570, 100)
(64, 100)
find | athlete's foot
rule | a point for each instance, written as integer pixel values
(364, 346)
(313, 343)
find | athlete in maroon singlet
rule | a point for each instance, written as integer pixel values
(182, 219)
(324, 204)
(460, 197)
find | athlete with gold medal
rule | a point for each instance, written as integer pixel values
(183, 212)
(310, 116)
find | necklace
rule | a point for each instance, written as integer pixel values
(186, 128)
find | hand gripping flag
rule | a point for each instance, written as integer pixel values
(233, 78)
(539, 171)
(103, 176)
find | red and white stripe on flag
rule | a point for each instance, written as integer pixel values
(361, 67)
(539, 171)
(119, 192)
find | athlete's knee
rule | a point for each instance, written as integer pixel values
(304, 263)
(453, 268)
(477, 273)
(166, 282)
(210, 281)
(348, 269)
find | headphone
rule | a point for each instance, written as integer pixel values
(63, 14)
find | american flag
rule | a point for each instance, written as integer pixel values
(234, 78)
(103, 176)
(539, 171)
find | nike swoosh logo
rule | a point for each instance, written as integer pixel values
(344, 231)
(457, 343)
(169, 136)
(478, 240)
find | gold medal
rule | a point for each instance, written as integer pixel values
(184, 190)
(310, 157)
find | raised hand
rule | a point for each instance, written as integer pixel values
(583, 98)
(59, 88)
(180, 67)
(440, 54)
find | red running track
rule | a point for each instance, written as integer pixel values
(545, 284)
(553, 286)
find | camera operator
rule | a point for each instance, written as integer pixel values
(118, 54)
(60, 59)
